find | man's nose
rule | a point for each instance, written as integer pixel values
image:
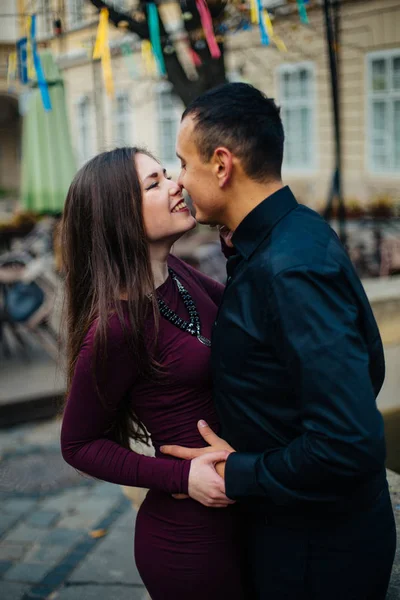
(179, 182)
(175, 188)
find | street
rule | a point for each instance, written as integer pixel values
(63, 535)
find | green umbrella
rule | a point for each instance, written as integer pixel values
(48, 161)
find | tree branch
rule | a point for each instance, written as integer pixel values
(210, 73)
(116, 17)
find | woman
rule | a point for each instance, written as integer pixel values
(139, 325)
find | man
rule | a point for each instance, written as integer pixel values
(297, 363)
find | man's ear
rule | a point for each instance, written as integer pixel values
(222, 165)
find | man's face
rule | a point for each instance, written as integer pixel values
(198, 177)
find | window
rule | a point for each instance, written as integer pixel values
(169, 113)
(76, 12)
(120, 5)
(384, 111)
(84, 130)
(297, 98)
(122, 120)
(45, 19)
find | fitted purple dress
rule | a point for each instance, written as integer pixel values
(182, 549)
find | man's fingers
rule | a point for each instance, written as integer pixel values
(215, 457)
(182, 452)
(208, 434)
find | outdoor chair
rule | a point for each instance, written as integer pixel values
(38, 326)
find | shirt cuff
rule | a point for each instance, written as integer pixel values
(240, 475)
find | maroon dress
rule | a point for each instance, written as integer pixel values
(182, 549)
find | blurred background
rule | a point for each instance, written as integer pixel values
(81, 76)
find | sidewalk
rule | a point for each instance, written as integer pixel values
(62, 536)
(67, 537)
(32, 384)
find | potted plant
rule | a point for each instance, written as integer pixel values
(382, 207)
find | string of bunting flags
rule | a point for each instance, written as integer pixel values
(24, 63)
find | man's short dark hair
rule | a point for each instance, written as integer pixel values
(244, 120)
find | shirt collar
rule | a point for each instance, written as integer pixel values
(257, 225)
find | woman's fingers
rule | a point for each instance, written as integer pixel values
(182, 452)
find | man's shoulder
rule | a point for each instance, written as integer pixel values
(302, 239)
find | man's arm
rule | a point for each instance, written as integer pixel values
(318, 336)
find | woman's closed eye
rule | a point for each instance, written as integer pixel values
(155, 184)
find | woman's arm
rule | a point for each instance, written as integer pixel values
(85, 442)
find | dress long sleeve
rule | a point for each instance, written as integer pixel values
(86, 442)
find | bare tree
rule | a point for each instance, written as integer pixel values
(210, 72)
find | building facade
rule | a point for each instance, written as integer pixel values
(10, 119)
(369, 99)
(144, 112)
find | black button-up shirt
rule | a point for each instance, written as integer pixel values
(297, 364)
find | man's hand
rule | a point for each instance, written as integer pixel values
(205, 485)
(215, 444)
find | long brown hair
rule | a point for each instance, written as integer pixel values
(105, 252)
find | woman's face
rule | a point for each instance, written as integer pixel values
(165, 214)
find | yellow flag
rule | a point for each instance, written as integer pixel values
(107, 71)
(279, 43)
(102, 50)
(101, 37)
(148, 58)
(268, 24)
(12, 68)
(254, 11)
(29, 53)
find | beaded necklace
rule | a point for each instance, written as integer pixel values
(193, 326)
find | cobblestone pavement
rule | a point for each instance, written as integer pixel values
(62, 536)
(67, 537)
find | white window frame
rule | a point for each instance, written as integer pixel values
(389, 97)
(234, 76)
(45, 19)
(123, 120)
(311, 103)
(74, 21)
(85, 150)
(119, 5)
(268, 4)
(167, 114)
